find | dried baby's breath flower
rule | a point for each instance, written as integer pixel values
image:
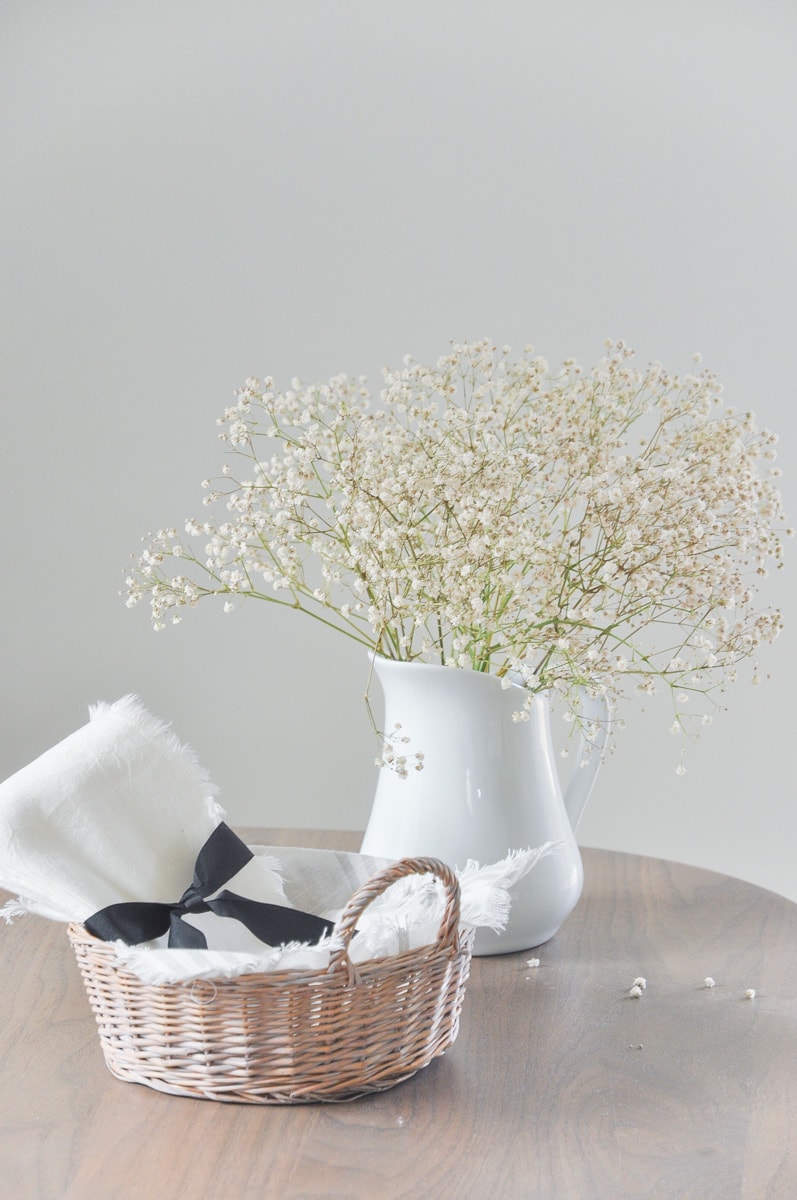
(708, 982)
(395, 757)
(635, 991)
(564, 528)
(750, 994)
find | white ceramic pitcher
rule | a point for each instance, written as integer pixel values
(489, 784)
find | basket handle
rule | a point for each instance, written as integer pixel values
(344, 928)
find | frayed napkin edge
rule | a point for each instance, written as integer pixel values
(130, 707)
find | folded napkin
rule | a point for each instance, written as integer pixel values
(118, 814)
(118, 828)
(406, 916)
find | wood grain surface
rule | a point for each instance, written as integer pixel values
(560, 1085)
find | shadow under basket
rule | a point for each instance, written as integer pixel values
(287, 1037)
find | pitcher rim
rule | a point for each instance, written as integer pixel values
(383, 662)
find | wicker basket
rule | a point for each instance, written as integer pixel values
(287, 1037)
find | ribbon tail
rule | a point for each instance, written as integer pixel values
(131, 920)
(273, 924)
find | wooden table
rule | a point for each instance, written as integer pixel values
(560, 1085)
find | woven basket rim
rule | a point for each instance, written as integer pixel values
(415, 956)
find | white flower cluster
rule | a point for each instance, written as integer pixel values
(566, 528)
(394, 755)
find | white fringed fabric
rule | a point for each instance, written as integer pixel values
(119, 811)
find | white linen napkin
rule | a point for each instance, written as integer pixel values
(119, 811)
(405, 917)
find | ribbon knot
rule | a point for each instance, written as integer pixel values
(222, 856)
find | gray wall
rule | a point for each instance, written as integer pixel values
(197, 192)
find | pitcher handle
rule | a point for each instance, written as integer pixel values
(594, 710)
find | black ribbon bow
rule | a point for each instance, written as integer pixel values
(222, 856)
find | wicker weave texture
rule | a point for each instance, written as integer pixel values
(287, 1037)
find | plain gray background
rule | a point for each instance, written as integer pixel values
(197, 192)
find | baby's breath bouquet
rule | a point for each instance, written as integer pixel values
(604, 529)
